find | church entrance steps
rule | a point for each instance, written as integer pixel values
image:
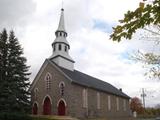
(54, 117)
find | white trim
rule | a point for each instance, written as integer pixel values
(61, 99)
(85, 98)
(48, 73)
(48, 82)
(62, 82)
(109, 102)
(124, 105)
(36, 89)
(98, 101)
(36, 93)
(45, 98)
(117, 103)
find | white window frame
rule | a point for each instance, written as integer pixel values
(117, 103)
(98, 101)
(124, 105)
(109, 102)
(85, 98)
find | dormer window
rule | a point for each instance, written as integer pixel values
(59, 47)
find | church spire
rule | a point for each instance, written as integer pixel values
(61, 46)
(61, 26)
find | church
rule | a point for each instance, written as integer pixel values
(59, 89)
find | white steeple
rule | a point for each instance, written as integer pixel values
(61, 26)
(61, 46)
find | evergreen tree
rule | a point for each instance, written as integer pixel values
(18, 74)
(15, 95)
(4, 106)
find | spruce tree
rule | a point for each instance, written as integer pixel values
(15, 96)
(4, 105)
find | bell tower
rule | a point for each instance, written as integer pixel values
(61, 47)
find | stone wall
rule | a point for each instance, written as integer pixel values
(73, 97)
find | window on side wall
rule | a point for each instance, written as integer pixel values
(109, 103)
(124, 104)
(117, 103)
(85, 98)
(98, 100)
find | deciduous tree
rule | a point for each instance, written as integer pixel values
(136, 105)
(145, 15)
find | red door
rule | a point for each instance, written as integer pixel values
(35, 109)
(47, 106)
(61, 108)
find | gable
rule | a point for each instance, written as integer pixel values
(42, 69)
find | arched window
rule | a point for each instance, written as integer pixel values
(61, 86)
(60, 34)
(48, 81)
(36, 93)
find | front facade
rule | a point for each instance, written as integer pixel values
(58, 89)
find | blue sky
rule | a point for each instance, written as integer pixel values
(103, 26)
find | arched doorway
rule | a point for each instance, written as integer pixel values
(35, 109)
(47, 106)
(61, 108)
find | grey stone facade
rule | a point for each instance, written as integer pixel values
(73, 96)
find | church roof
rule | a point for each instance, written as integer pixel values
(92, 82)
